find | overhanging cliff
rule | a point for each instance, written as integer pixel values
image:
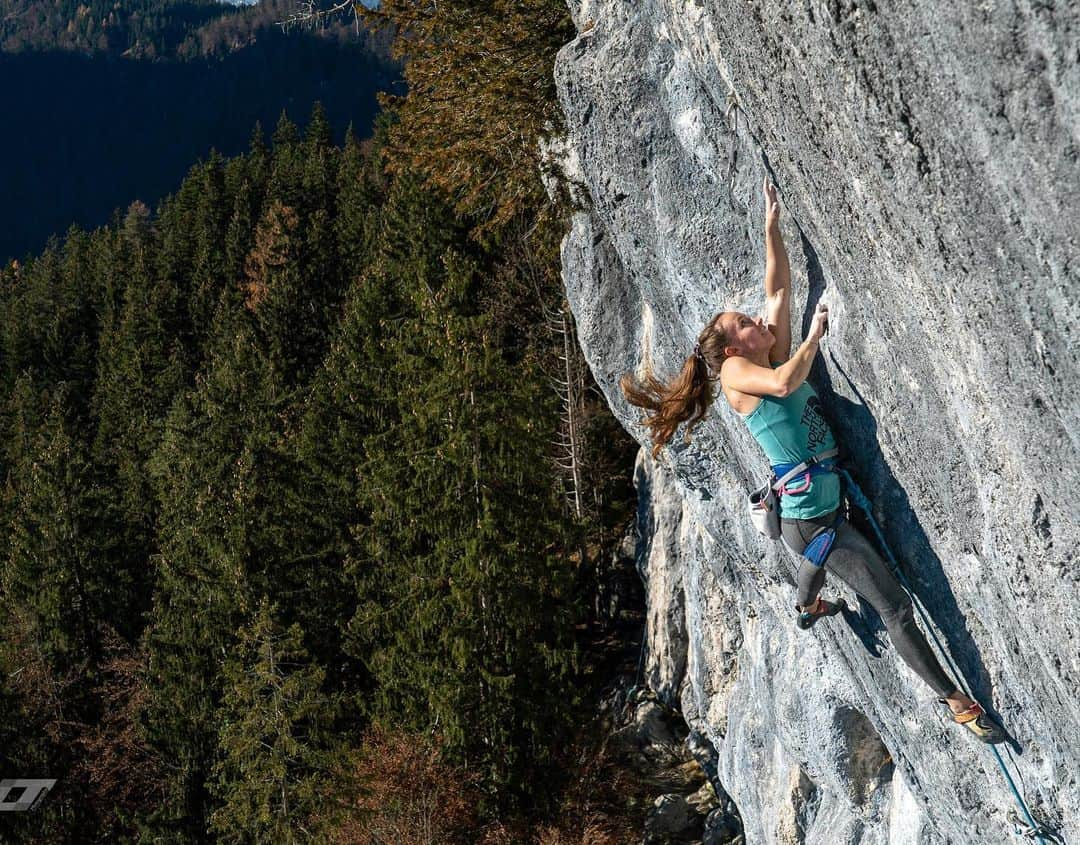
(927, 160)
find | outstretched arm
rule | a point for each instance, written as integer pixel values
(777, 279)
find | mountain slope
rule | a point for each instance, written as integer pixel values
(117, 107)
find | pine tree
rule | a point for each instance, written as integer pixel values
(465, 616)
(274, 742)
(52, 581)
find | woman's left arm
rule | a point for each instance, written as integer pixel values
(777, 279)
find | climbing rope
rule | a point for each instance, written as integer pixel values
(1034, 830)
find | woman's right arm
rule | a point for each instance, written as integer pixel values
(747, 377)
(777, 279)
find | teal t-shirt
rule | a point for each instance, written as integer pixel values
(790, 430)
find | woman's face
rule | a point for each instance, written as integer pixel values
(746, 335)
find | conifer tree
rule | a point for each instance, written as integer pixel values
(239, 238)
(323, 272)
(213, 528)
(176, 219)
(50, 322)
(275, 294)
(54, 594)
(297, 413)
(257, 160)
(464, 613)
(286, 169)
(210, 223)
(52, 582)
(234, 526)
(141, 368)
(358, 190)
(481, 98)
(292, 276)
(274, 742)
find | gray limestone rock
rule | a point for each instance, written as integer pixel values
(926, 156)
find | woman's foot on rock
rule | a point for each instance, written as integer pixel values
(978, 721)
(808, 618)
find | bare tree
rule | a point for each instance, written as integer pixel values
(313, 13)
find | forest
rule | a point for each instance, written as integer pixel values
(306, 485)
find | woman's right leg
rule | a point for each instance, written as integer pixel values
(797, 533)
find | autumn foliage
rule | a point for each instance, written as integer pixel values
(481, 97)
(404, 792)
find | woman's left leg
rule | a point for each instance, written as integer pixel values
(856, 562)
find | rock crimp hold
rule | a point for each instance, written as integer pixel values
(927, 166)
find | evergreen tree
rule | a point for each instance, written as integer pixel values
(210, 223)
(50, 323)
(217, 532)
(54, 594)
(359, 192)
(296, 418)
(465, 614)
(481, 97)
(52, 581)
(141, 368)
(257, 160)
(274, 742)
(286, 164)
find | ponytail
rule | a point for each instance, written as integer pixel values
(687, 397)
(684, 399)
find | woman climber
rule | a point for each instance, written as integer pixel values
(766, 385)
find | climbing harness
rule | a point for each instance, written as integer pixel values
(765, 514)
(787, 473)
(764, 503)
(1033, 830)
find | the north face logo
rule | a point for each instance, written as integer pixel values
(817, 428)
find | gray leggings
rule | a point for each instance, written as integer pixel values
(855, 562)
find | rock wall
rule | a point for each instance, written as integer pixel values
(927, 160)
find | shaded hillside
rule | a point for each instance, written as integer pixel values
(294, 406)
(99, 127)
(153, 27)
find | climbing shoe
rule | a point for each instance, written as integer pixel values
(976, 720)
(807, 619)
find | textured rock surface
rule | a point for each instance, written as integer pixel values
(927, 159)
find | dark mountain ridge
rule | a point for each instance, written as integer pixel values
(112, 102)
